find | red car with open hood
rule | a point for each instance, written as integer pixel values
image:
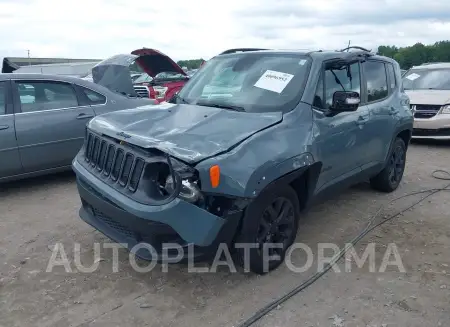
(161, 78)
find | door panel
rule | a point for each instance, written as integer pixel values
(340, 140)
(10, 160)
(382, 121)
(49, 138)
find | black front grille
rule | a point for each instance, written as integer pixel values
(431, 132)
(425, 111)
(113, 161)
(141, 90)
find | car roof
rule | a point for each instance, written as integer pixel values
(431, 65)
(320, 55)
(59, 78)
(64, 78)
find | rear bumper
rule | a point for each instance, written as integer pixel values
(131, 223)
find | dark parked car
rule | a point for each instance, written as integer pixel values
(43, 120)
(247, 144)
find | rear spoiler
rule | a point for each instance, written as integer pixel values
(241, 50)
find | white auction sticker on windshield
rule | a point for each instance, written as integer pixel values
(413, 76)
(274, 81)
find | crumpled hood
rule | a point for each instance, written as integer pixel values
(433, 97)
(187, 132)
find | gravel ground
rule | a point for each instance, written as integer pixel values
(37, 213)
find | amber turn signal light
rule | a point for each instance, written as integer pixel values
(214, 175)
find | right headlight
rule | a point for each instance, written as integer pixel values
(189, 190)
(445, 109)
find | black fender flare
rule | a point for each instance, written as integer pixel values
(285, 172)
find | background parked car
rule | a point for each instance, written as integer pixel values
(428, 87)
(163, 77)
(43, 119)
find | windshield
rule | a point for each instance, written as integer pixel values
(427, 79)
(143, 78)
(169, 75)
(252, 82)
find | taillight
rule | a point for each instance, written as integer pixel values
(151, 93)
(160, 92)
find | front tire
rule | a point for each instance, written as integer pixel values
(271, 219)
(390, 177)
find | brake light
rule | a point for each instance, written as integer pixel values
(160, 91)
(151, 93)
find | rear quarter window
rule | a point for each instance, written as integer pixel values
(392, 77)
(94, 97)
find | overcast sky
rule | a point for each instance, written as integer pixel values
(199, 28)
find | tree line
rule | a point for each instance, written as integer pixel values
(190, 64)
(417, 54)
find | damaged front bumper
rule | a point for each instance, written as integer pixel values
(131, 223)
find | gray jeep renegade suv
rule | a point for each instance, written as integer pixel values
(250, 142)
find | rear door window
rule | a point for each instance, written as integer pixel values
(45, 95)
(376, 80)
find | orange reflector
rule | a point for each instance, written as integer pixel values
(214, 175)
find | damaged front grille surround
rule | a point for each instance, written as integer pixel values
(148, 177)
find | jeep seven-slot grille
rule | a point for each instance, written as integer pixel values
(112, 161)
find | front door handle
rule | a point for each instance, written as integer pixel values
(4, 127)
(84, 116)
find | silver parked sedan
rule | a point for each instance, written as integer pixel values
(43, 119)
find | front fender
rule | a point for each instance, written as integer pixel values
(266, 156)
(265, 175)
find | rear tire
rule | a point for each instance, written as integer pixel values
(390, 177)
(271, 218)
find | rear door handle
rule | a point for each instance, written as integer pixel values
(4, 127)
(362, 120)
(84, 116)
(393, 111)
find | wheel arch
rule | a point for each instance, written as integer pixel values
(303, 180)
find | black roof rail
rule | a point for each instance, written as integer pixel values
(355, 47)
(241, 50)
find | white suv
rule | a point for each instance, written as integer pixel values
(428, 87)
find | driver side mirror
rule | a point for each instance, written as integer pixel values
(345, 101)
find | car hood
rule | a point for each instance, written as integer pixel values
(433, 97)
(114, 72)
(187, 132)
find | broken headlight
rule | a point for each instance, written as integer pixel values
(189, 190)
(186, 181)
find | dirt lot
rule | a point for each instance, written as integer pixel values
(36, 214)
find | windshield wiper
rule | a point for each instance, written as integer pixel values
(222, 106)
(177, 96)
